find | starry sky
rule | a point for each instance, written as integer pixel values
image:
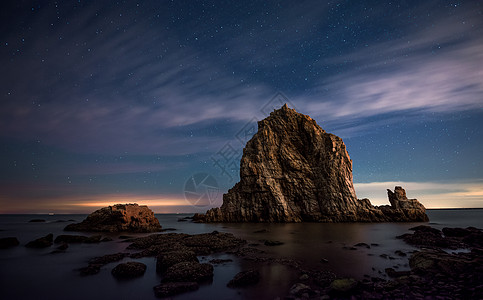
(105, 102)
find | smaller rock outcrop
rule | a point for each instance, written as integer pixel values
(42, 242)
(119, 217)
(244, 278)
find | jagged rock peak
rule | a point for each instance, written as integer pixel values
(119, 217)
(292, 171)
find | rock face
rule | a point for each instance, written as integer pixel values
(119, 217)
(294, 171)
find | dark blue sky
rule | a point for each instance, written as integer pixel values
(124, 101)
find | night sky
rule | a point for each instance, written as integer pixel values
(105, 102)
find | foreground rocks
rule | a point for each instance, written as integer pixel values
(117, 218)
(434, 274)
(176, 259)
(294, 171)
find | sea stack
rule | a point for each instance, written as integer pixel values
(294, 171)
(118, 218)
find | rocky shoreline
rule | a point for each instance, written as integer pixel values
(448, 265)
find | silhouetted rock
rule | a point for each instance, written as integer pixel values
(244, 278)
(119, 217)
(167, 289)
(8, 242)
(293, 171)
(130, 269)
(42, 242)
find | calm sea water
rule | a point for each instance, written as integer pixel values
(37, 274)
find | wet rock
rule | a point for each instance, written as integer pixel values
(244, 278)
(168, 259)
(8, 242)
(42, 242)
(119, 217)
(362, 245)
(130, 269)
(220, 261)
(188, 272)
(272, 243)
(168, 289)
(394, 274)
(63, 247)
(91, 269)
(343, 285)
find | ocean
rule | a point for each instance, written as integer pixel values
(38, 274)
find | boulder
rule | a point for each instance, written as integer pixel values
(8, 242)
(293, 171)
(244, 278)
(189, 272)
(168, 259)
(130, 269)
(119, 217)
(42, 242)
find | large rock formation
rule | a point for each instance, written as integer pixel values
(294, 171)
(119, 217)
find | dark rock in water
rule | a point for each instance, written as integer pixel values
(362, 245)
(393, 273)
(119, 217)
(8, 242)
(294, 171)
(73, 239)
(130, 269)
(453, 237)
(63, 247)
(188, 272)
(244, 278)
(96, 263)
(272, 243)
(168, 289)
(91, 269)
(220, 261)
(42, 242)
(168, 259)
(37, 221)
